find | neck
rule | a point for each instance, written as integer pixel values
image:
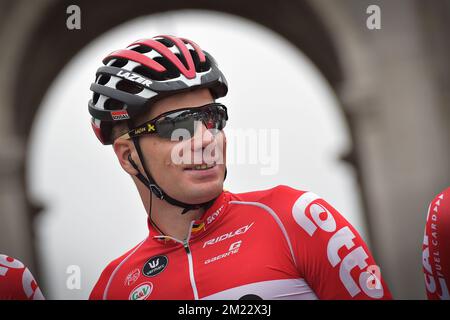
(168, 218)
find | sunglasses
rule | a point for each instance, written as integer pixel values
(213, 115)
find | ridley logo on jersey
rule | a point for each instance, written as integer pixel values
(155, 266)
(225, 236)
(141, 292)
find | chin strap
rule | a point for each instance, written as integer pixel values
(151, 184)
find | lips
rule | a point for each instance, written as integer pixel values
(199, 167)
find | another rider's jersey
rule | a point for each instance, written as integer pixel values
(436, 248)
(16, 281)
(279, 243)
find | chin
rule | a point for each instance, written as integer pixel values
(192, 187)
(204, 192)
(209, 191)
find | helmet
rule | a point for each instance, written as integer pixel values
(132, 79)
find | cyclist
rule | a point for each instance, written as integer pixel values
(436, 248)
(16, 281)
(155, 102)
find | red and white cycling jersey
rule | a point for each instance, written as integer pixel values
(279, 243)
(436, 248)
(16, 281)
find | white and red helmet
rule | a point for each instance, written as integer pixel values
(132, 79)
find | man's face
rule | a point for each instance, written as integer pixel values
(180, 180)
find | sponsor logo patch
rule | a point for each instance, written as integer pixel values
(142, 291)
(119, 115)
(317, 219)
(212, 217)
(132, 277)
(225, 236)
(134, 78)
(155, 266)
(233, 249)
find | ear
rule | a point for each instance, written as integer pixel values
(124, 148)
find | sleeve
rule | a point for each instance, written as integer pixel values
(98, 291)
(329, 253)
(16, 281)
(436, 248)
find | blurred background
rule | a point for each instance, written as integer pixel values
(361, 118)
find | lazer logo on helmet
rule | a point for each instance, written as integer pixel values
(119, 115)
(225, 236)
(130, 76)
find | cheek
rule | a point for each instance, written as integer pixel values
(222, 143)
(154, 152)
(170, 150)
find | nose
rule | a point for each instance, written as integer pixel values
(202, 137)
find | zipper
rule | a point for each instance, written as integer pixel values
(185, 244)
(191, 269)
(186, 247)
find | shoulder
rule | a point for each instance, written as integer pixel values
(108, 273)
(273, 195)
(295, 208)
(16, 281)
(280, 199)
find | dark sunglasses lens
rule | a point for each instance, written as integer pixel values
(182, 123)
(215, 118)
(174, 129)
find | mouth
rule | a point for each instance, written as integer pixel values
(202, 173)
(200, 167)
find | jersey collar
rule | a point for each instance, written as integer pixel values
(200, 226)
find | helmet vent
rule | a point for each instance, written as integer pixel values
(142, 49)
(182, 59)
(196, 60)
(112, 104)
(205, 66)
(130, 87)
(168, 43)
(103, 79)
(95, 97)
(119, 63)
(148, 73)
(171, 71)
